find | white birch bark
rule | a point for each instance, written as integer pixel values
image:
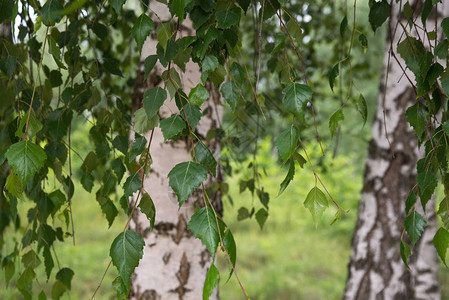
(175, 263)
(376, 270)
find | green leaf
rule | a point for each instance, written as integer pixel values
(137, 147)
(149, 63)
(119, 168)
(426, 10)
(242, 214)
(411, 200)
(335, 121)
(58, 290)
(296, 98)
(212, 278)
(6, 10)
(287, 142)
(121, 144)
(14, 186)
(34, 126)
(261, 217)
(288, 178)
(229, 17)
(427, 181)
(26, 158)
(141, 122)
(362, 108)
(405, 253)
(229, 244)
(445, 27)
(204, 227)
(230, 94)
(378, 14)
(126, 251)
(8, 64)
(25, 283)
(164, 31)
(316, 202)
(441, 242)
(178, 8)
(184, 177)
(141, 29)
(65, 275)
(117, 5)
(110, 211)
(153, 100)
(416, 116)
(364, 42)
(132, 184)
(51, 12)
(193, 114)
(48, 261)
(31, 260)
(279, 42)
(42, 296)
(198, 95)
(172, 126)
(333, 75)
(441, 50)
(343, 26)
(147, 207)
(209, 64)
(205, 157)
(414, 225)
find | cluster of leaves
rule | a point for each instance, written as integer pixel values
(427, 115)
(64, 66)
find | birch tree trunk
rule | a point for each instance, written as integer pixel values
(175, 263)
(376, 270)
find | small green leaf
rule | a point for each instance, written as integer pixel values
(178, 8)
(48, 261)
(8, 64)
(205, 157)
(441, 50)
(287, 142)
(204, 227)
(149, 63)
(34, 126)
(362, 108)
(120, 143)
(212, 278)
(378, 14)
(117, 5)
(126, 251)
(137, 147)
(316, 202)
(193, 114)
(242, 214)
(132, 184)
(335, 120)
(26, 158)
(364, 42)
(141, 29)
(229, 244)
(405, 253)
(51, 12)
(25, 283)
(441, 242)
(172, 126)
(153, 100)
(141, 122)
(296, 98)
(414, 225)
(164, 31)
(185, 177)
(147, 207)
(261, 217)
(31, 260)
(416, 116)
(229, 17)
(411, 200)
(198, 95)
(230, 94)
(65, 275)
(445, 27)
(288, 178)
(209, 64)
(14, 186)
(343, 26)
(333, 75)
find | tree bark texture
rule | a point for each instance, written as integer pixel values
(175, 263)
(376, 270)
